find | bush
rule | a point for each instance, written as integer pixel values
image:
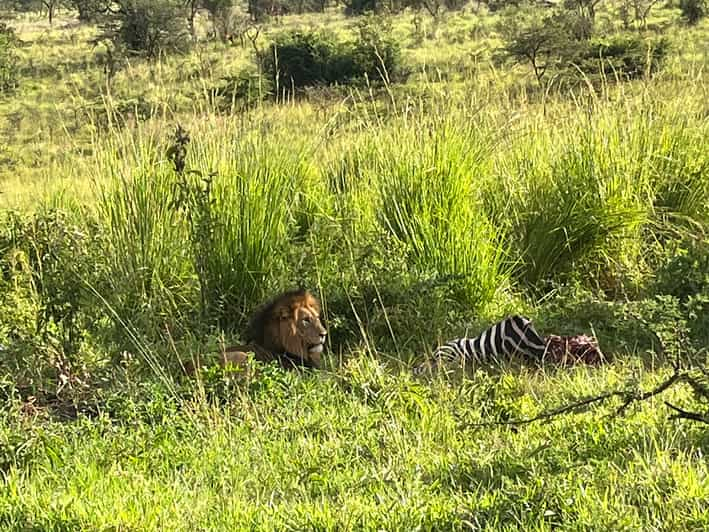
(88, 9)
(628, 57)
(47, 264)
(298, 59)
(692, 10)
(148, 27)
(359, 7)
(542, 42)
(375, 53)
(245, 89)
(301, 59)
(686, 271)
(8, 59)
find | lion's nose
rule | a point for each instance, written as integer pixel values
(323, 334)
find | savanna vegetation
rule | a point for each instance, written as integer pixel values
(426, 167)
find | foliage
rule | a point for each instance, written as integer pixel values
(376, 55)
(9, 67)
(243, 90)
(221, 13)
(561, 44)
(685, 273)
(49, 263)
(238, 226)
(426, 203)
(693, 10)
(147, 27)
(145, 268)
(359, 7)
(624, 57)
(419, 212)
(89, 10)
(299, 59)
(543, 42)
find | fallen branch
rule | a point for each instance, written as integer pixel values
(630, 399)
(684, 414)
(629, 396)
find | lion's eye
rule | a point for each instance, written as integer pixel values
(306, 321)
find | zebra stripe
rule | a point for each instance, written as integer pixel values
(513, 335)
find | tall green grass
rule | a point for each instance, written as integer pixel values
(589, 196)
(569, 194)
(147, 262)
(429, 182)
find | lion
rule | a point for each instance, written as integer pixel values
(287, 329)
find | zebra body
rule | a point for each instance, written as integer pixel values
(513, 335)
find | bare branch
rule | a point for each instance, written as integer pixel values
(684, 414)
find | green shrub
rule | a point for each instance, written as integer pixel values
(626, 56)
(359, 7)
(375, 53)
(686, 270)
(692, 10)
(48, 262)
(243, 90)
(298, 59)
(148, 27)
(8, 59)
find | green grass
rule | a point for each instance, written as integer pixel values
(418, 212)
(360, 449)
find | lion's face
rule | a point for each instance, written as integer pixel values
(296, 328)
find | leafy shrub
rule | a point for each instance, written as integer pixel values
(375, 53)
(628, 56)
(686, 272)
(301, 59)
(359, 7)
(148, 27)
(692, 10)
(561, 43)
(48, 264)
(544, 42)
(298, 59)
(62, 260)
(245, 89)
(8, 59)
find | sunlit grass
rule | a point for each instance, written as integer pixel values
(418, 212)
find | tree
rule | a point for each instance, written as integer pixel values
(192, 7)
(51, 6)
(586, 10)
(692, 10)
(642, 8)
(147, 27)
(539, 41)
(89, 9)
(8, 59)
(221, 14)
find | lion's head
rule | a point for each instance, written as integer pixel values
(290, 323)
